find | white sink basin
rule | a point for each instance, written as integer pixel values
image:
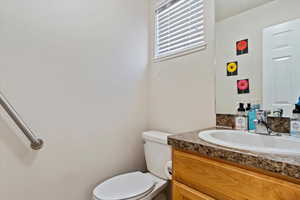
(252, 142)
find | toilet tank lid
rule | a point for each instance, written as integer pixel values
(156, 136)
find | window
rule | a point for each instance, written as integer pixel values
(179, 27)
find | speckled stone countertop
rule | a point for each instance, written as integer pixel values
(280, 164)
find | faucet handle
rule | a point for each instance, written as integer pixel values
(268, 112)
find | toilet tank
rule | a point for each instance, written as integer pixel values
(158, 153)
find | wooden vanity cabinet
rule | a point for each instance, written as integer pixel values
(200, 178)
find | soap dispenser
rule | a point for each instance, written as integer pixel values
(295, 120)
(241, 118)
(251, 114)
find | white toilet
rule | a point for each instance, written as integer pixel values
(138, 185)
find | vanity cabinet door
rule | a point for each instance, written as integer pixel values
(223, 181)
(182, 192)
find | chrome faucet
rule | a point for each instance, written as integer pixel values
(261, 123)
(262, 126)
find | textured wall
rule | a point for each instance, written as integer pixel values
(76, 72)
(182, 90)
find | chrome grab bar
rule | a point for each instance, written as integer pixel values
(36, 143)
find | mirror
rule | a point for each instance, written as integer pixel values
(257, 54)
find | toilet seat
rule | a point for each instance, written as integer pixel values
(127, 186)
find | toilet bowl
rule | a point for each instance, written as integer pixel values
(138, 185)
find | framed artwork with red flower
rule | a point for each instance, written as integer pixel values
(242, 47)
(243, 86)
(232, 68)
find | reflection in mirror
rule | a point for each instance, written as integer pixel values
(257, 54)
(281, 59)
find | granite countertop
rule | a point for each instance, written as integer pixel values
(280, 164)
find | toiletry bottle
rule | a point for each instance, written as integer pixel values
(248, 109)
(256, 105)
(295, 121)
(252, 117)
(241, 118)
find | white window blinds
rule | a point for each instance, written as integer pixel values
(179, 27)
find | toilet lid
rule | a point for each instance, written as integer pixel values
(124, 186)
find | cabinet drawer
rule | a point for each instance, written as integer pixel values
(182, 192)
(227, 182)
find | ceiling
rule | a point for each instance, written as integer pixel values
(228, 8)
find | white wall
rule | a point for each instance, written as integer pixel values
(182, 95)
(76, 72)
(248, 25)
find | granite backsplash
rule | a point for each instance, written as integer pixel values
(277, 124)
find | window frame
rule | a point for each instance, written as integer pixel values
(179, 53)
